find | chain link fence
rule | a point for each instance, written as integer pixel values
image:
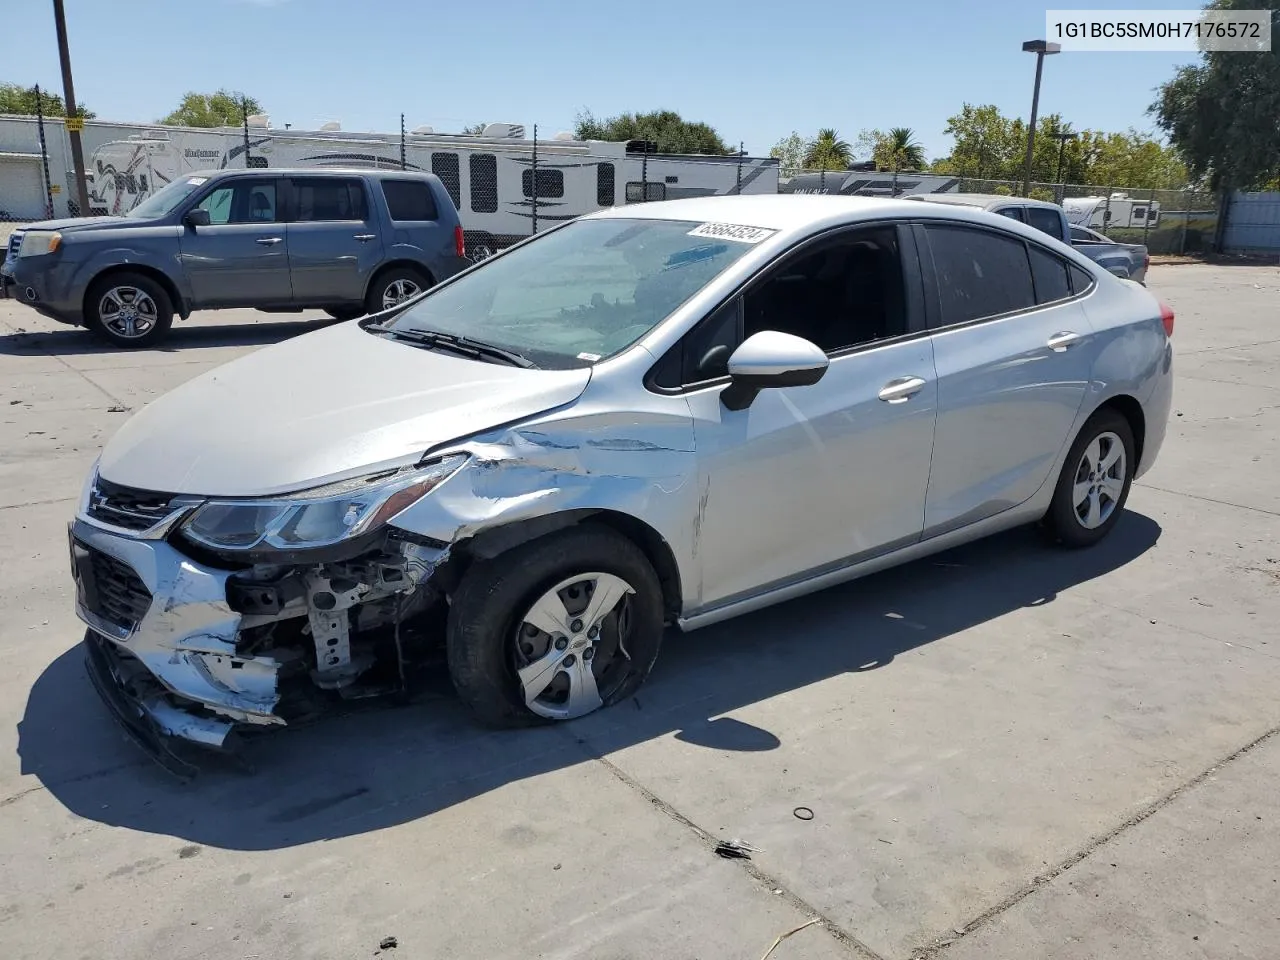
(510, 182)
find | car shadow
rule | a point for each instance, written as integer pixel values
(74, 341)
(380, 767)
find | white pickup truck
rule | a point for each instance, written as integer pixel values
(1127, 260)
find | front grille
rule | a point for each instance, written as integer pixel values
(127, 508)
(118, 595)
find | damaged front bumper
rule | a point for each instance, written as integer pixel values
(165, 649)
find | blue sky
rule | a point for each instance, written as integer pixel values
(754, 70)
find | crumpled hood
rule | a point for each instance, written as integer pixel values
(320, 407)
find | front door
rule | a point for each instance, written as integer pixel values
(811, 478)
(241, 258)
(334, 240)
(1014, 351)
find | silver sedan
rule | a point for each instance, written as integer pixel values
(660, 414)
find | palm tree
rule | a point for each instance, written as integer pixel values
(828, 152)
(903, 150)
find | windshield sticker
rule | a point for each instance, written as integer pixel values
(196, 181)
(732, 231)
(591, 357)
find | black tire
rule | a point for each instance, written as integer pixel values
(485, 610)
(345, 313)
(1062, 521)
(107, 324)
(387, 279)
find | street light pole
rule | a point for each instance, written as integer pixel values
(1041, 49)
(69, 98)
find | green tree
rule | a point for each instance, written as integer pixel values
(789, 153)
(671, 132)
(827, 151)
(21, 101)
(474, 130)
(895, 149)
(226, 108)
(1221, 113)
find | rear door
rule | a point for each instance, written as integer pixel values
(1014, 352)
(335, 243)
(241, 258)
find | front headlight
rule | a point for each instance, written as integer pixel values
(38, 242)
(316, 518)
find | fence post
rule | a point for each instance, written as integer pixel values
(895, 182)
(1146, 224)
(644, 172)
(244, 117)
(1106, 211)
(533, 177)
(403, 166)
(1186, 221)
(44, 156)
(822, 180)
(742, 148)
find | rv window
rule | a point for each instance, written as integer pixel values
(256, 163)
(484, 182)
(640, 192)
(445, 166)
(409, 200)
(550, 183)
(321, 199)
(1139, 213)
(605, 185)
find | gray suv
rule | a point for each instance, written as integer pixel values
(348, 242)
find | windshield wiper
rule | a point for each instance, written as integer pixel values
(464, 345)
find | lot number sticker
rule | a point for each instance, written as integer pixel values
(732, 231)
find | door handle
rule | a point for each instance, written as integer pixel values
(1060, 341)
(269, 241)
(365, 237)
(901, 390)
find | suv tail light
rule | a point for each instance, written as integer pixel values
(459, 241)
(1166, 316)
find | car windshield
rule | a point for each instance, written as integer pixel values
(581, 293)
(166, 201)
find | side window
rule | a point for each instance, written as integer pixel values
(708, 346)
(243, 201)
(605, 185)
(1013, 213)
(844, 293)
(321, 199)
(445, 166)
(1079, 233)
(484, 182)
(1080, 280)
(1050, 275)
(1045, 220)
(639, 191)
(409, 200)
(980, 273)
(550, 183)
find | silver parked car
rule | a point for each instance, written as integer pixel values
(668, 413)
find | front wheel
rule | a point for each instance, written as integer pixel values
(555, 628)
(128, 310)
(1094, 483)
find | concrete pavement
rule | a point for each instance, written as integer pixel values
(979, 735)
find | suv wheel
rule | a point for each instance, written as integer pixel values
(395, 286)
(128, 310)
(555, 628)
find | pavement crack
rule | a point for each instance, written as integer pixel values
(844, 937)
(1196, 496)
(15, 797)
(1229, 346)
(36, 503)
(1043, 879)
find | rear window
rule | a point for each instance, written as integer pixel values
(1045, 220)
(409, 200)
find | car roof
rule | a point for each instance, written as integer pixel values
(983, 200)
(784, 211)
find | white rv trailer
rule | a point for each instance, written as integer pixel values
(1121, 211)
(490, 176)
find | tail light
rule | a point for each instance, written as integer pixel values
(1166, 317)
(459, 241)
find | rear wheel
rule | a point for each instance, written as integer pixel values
(128, 310)
(556, 628)
(1094, 483)
(394, 286)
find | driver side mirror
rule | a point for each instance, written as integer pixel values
(771, 359)
(196, 218)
